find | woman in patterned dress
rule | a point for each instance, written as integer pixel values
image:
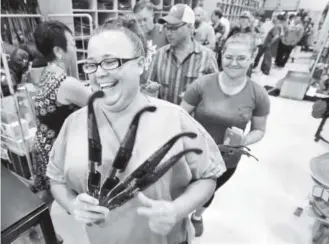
(58, 96)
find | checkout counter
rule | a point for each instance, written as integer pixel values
(24, 217)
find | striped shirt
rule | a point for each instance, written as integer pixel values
(174, 76)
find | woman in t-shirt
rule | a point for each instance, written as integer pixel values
(229, 99)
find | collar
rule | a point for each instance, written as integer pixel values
(196, 47)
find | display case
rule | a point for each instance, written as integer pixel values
(25, 219)
(18, 123)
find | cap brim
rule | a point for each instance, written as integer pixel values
(170, 20)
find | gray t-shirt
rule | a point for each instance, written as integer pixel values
(216, 111)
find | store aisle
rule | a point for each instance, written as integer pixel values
(257, 204)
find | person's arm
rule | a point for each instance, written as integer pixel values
(258, 128)
(64, 196)
(300, 33)
(82, 207)
(151, 84)
(205, 169)
(152, 70)
(55, 169)
(259, 118)
(211, 38)
(72, 91)
(227, 29)
(187, 107)
(192, 96)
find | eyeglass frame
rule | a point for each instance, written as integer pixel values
(236, 60)
(121, 62)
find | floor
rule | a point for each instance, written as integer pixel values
(257, 204)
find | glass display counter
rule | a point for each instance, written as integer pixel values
(18, 127)
(25, 219)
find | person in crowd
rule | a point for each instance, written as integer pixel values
(292, 34)
(203, 32)
(224, 21)
(308, 31)
(222, 28)
(229, 99)
(244, 25)
(183, 60)
(292, 19)
(153, 33)
(58, 95)
(18, 65)
(155, 37)
(160, 213)
(268, 39)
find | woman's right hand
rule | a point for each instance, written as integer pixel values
(85, 209)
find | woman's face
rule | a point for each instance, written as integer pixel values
(120, 84)
(236, 60)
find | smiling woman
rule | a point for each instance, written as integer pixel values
(160, 214)
(229, 100)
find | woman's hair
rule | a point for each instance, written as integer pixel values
(129, 28)
(218, 13)
(247, 39)
(48, 35)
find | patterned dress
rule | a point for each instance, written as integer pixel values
(50, 118)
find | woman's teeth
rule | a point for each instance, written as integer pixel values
(108, 85)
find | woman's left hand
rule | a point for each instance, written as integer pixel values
(162, 215)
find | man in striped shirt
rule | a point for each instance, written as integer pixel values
(178, 64)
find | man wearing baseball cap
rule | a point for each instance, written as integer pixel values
(245, 21)
(183, 60)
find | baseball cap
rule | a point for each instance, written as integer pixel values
(245, 14)
(179, 13)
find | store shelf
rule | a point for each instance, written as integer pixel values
(81, 37)
(84, 10)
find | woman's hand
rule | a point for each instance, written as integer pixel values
(152, 87)
(162, 215)
(85, 209)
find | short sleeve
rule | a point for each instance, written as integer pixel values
(209, 164)
(262, 107)
(193, 94)
(55, 168)
(73, 91)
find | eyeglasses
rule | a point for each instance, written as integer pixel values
(240, 59)
(174, 28)
(106, 64)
